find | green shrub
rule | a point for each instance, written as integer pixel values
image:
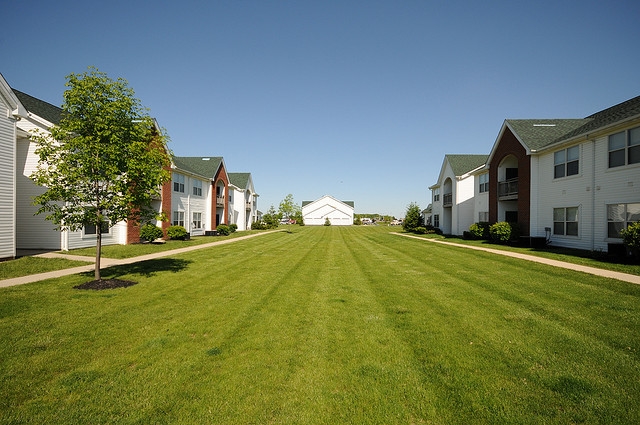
(177, 232)
(327, 222)
(223, 230)
(500, 232)
(258, 225)
(431, 230)
(150, 232)
(631, 238)
(357, 221)
(233, 227)
(480, 230)
(420, 230)
(504, 232)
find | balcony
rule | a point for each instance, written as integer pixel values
(247, 206)
(447, 200)
(508, 189)
(220, 201)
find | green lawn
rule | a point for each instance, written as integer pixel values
(33, 265)
(324, 325)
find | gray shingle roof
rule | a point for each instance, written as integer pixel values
(350, 203)
(606, 117)
(462, 164)
(206, 166)
(540, 133)
(537, 134)
(240, 180)
(38, 107)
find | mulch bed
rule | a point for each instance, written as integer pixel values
(105, 284)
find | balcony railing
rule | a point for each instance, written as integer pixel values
(220, 200)
(508, 189)
(447, 199)
(247, 206)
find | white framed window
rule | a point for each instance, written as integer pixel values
(197, 187)
(619, 216)
(565, 221)
(197, 220)
(436, 220)
(178, 182)
(178, 218)
(566, 162)
(483, 217)
(436, 195)
(484, 183)
(624, 148)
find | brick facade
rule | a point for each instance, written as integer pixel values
(221, 176)
(509, 145)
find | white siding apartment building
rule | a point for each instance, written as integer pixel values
(575, 182)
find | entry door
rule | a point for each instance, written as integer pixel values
(511, 216)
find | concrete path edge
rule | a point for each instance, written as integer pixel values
(625, 277)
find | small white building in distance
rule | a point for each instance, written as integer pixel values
(339, 213)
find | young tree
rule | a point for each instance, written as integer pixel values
(106, 160)
(288, 207)
(413, 218)
(271, 218)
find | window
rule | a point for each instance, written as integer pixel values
(197, 220)
(483, 217)
(624, 148)
(178, 183)
(619, 216)
(566, 162)
(436, 195)
(484, 182)
(197, 187)
(90, 229)
(565, 221)
(436, 220)
(178, 218)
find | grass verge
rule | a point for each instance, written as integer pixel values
(33, 265)
(575, 256)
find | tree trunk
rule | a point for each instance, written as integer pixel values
(98, 251)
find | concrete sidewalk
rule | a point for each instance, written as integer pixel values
(110, 262)
(625, 277)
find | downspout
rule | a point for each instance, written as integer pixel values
(14, 178)
(187, 213)
(593, 194)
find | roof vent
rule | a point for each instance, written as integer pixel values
(206, 159)
(544, 125)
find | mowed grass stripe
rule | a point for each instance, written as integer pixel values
(324, 325)
(516, 318)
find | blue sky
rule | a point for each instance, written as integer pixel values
(360, 100)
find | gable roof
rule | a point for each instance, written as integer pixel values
(239, 180)
(9, 97)
(38, 107)
(462, 164)
(535, 134)
(205, 167)
(348, 203)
